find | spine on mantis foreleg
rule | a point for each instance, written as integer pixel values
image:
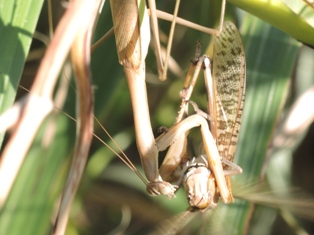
(132, 33)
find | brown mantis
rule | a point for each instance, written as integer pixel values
(132, 52)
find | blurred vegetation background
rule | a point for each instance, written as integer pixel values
(111, 199)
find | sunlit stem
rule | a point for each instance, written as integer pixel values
(168, 17)
(170, 40)
(154, 24)
(102, 40)
(222, 15)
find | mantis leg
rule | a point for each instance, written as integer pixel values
(132, 32)
(177, 151)
(234, 168)
(163, 67)
(214, 160)
(144, 137)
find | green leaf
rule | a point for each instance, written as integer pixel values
(278, 14)
(302, 9)
(18, 20)
(29, 206)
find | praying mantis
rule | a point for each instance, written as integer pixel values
(132, 50)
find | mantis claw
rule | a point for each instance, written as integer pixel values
(161, 188)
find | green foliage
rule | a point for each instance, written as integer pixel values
(18, 20)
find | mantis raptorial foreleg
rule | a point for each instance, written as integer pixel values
(132, 38)
(178, 149)
(211, 150)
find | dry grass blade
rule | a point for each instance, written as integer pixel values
(298, 120)
(81, 62)
(39, 103)
(174, 224)
(293, 200)
(154, 24)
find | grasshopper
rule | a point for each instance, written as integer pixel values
(226, 94)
